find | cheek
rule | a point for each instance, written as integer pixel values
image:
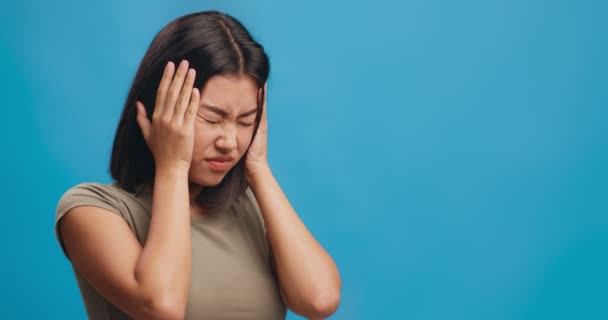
(202, 140)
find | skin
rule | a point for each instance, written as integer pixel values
(152, 282)
(223, 127)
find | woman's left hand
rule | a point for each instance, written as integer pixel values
(257, 155)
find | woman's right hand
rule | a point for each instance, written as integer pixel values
(170, 134)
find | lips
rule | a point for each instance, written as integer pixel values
(221, 159)
(220, 163)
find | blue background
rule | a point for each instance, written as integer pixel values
(450, 155)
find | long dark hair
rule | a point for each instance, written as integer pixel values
(214, 43)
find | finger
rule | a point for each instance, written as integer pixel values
(184, 98)
(142, 120)
(175, 88)
(163, 86)
(192, 107)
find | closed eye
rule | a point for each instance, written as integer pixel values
(211, 122)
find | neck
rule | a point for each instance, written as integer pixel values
(194, 190)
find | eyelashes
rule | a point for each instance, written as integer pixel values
(217, 122)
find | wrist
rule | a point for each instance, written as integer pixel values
(173, 170)
(258, 173)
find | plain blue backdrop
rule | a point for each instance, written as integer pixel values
(451, 155)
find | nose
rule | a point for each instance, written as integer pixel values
(227, 139)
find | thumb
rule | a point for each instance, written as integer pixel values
(142, 120)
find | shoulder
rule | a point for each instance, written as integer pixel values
(110, 197)
(248, 204)
(106, 196)
(88, 193)
(84, 194)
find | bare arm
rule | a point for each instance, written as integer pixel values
(164, 264)
(146, 283)
(309, 279)
(150, 282)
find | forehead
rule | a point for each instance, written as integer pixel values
(230, 92)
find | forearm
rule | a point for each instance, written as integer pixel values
(164, 265)
(309, 277)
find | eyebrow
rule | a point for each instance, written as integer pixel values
(223, 112)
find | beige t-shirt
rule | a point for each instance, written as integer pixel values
(231, 278)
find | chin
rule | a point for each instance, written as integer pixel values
(206, 179)
(201, 175)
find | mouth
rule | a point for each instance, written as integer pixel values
(220, 164)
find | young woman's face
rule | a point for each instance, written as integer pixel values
(223, 127)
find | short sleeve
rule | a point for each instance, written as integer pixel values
(84, 194)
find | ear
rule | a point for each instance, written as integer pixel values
(260, 95)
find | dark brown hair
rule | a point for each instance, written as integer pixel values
(213, 43)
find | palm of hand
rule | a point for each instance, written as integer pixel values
(257, 155)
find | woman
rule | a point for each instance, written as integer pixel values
(195, 226)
